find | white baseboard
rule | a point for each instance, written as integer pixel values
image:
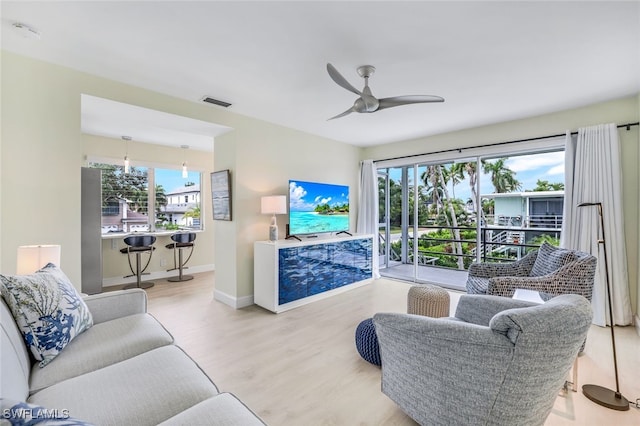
(636, 321)
(157, 275)
(234, 302)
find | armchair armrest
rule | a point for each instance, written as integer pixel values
(574, 278)
(518, 268)
(116, 304)
(479, 309)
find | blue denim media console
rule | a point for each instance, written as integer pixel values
(289, 274)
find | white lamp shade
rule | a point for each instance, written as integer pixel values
(274, 204)
(32, 258)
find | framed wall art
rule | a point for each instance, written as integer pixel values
(221, 195)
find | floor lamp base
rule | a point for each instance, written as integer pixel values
(606, 397)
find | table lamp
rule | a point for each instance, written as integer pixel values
(273, 205)
(32, 258)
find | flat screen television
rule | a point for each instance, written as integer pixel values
(316, 208)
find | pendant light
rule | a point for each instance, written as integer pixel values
(126, 155)
(185, 172)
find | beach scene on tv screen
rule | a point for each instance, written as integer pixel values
(317, 207)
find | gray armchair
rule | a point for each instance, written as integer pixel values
(551, 271)
(499, 361)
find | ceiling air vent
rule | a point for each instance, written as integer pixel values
(213, 101)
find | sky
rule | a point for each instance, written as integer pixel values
(528, 168)
(305, 196)
(172, 179)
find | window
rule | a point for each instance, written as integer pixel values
(180, 207)
(450, 212)
(149, 199)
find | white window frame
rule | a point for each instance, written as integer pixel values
(151, 184)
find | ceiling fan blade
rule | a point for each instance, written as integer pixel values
(347, 112)
(405, 100)
(340, 80)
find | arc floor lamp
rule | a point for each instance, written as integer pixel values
(598, 394)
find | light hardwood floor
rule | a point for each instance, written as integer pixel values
(301, 367)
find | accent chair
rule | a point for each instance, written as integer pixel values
(499, 361)
(550, 270)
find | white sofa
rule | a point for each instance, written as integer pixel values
(125, 369)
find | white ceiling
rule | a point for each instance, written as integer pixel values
(105, 117)
(491, 61)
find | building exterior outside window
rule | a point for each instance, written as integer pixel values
(149, 199)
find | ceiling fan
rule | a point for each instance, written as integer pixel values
(369, 103)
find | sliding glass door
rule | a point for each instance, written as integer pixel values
(436, 218)
(394, 187)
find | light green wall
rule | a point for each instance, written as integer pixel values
(625, 110)
(41, 158)
(43, 150)
(263, 157)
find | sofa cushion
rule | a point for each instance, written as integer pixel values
(48, 310)
(143, 390)
(550, 259)
(22, 413)
(224, 410)
(102, 345)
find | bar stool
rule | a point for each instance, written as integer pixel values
(138, 245)
(181, 241)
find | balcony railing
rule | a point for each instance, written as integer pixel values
(497, 243)
(532, 221)
(179, 208)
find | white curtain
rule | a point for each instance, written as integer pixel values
(593, 175)
(367, 221)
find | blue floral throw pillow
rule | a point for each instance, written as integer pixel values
(47, 309)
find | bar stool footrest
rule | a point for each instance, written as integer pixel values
(178, 279)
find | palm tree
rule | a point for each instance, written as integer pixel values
(161, 197)
(472, 171)
(544, 185)
(454, 220)
(139, 199)
(502, 177)
(433, 186)
(488, 206)
(455, 174)
(435, 179)
(161, 202)
(395, 202)
(193, 212)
